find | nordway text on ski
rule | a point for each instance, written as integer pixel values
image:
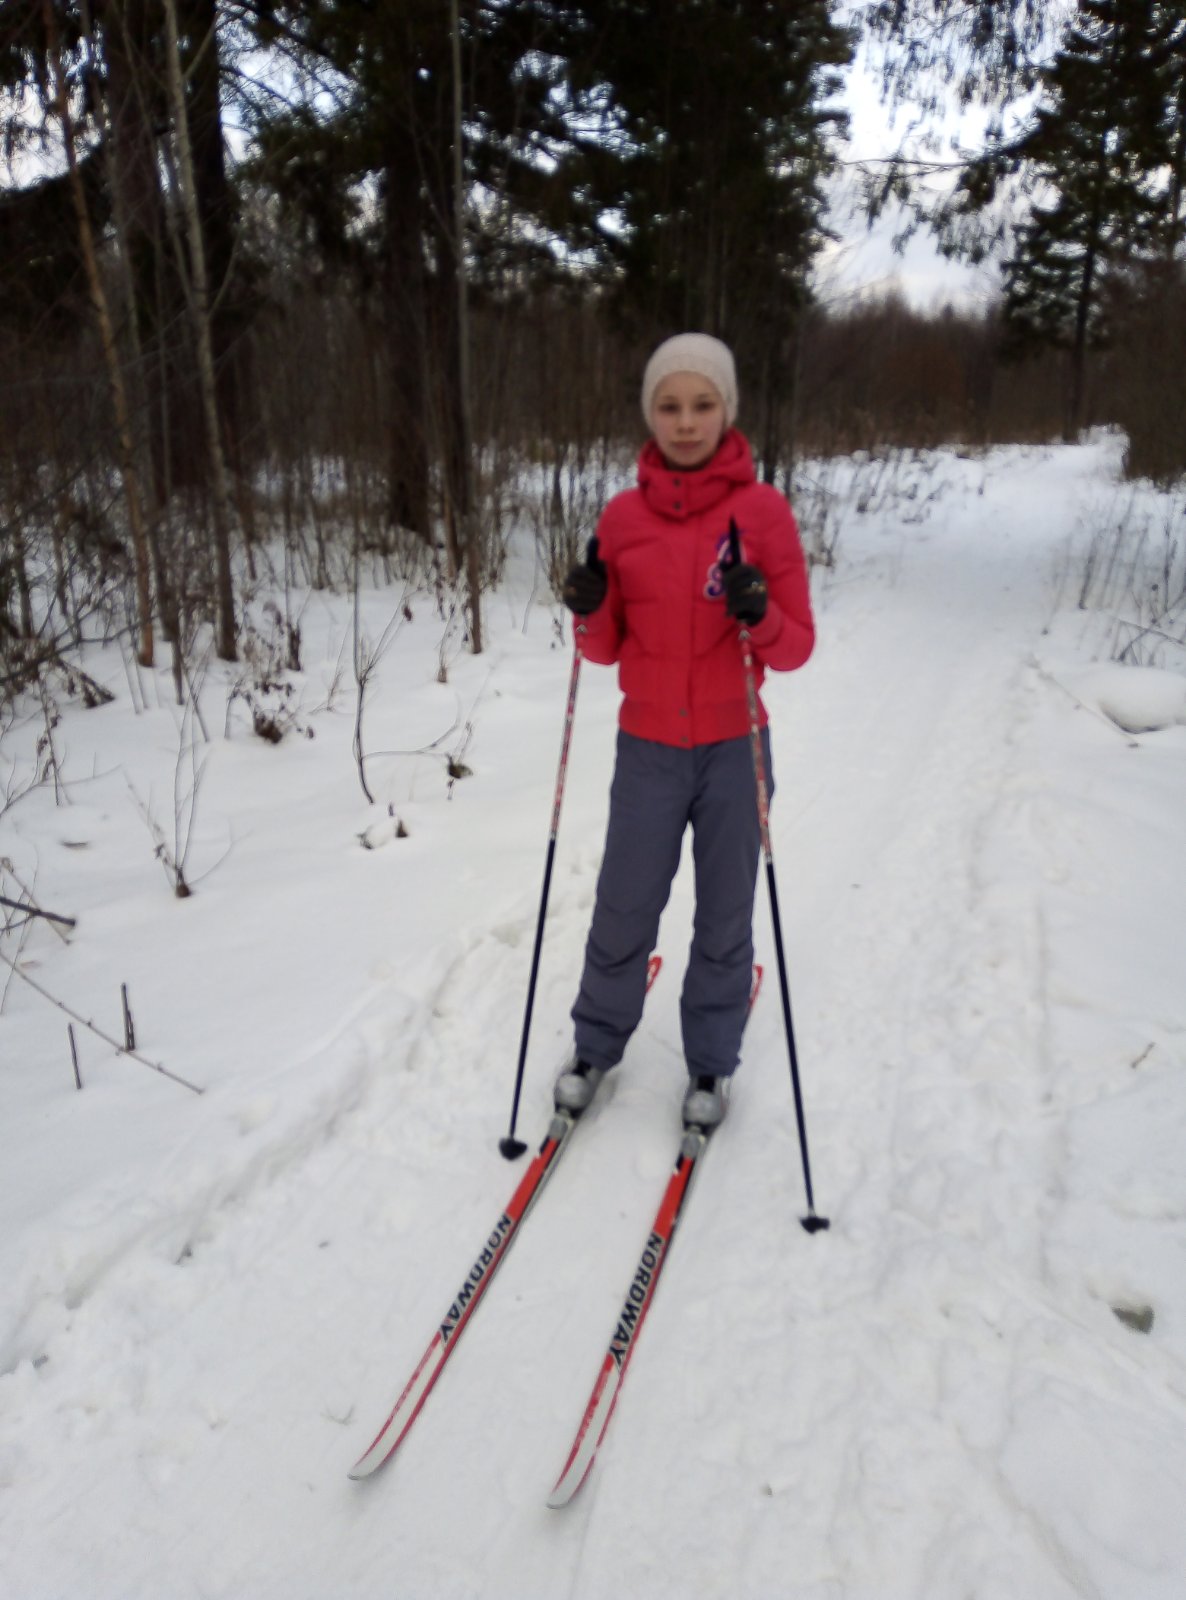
(473, 1283)
(636, 1300)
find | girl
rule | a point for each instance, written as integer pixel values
(659, 596)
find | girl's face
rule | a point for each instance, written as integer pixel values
(687, 420)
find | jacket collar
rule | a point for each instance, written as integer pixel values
(680, 495)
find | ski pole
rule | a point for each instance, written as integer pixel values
(811, 1221)
(511, 1147)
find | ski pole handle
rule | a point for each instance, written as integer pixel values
(751, 699)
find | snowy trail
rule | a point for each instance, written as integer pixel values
(920, 1029)
(925, 1402)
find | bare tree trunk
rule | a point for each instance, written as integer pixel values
(19, 564)
(1078, 352)
(1173, 236)
(119, 398)
(770, 406)
(132, 111)
(793, 373)
(216, 209)
(132, 172)
(405, 310)
(462, 446)
(200, 301)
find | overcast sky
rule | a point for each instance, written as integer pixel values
(864, 261)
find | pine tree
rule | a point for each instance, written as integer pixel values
(1093, 163)
(1100, 142)
(987, 51)
(672, 150)
(1171, 69)
(710, 177)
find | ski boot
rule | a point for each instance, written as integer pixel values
(576, 1086)
(704, 1103)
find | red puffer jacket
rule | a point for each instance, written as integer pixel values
(664, 620)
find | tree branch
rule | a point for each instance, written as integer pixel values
(36, 911)
(119, 1048)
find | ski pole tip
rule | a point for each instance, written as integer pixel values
(814, 1224)
(512, 1149)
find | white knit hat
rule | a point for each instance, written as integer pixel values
(693, 352)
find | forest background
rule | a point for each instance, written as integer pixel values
(306, 291)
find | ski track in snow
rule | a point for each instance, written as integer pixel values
(933, 1399)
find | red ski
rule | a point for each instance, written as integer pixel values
(639, 1299)
(477, 1280)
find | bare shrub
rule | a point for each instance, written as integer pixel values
(263, 686)
(827, 492)
(1134, 575)
(567, 496)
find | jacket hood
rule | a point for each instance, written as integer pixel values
(679, 494)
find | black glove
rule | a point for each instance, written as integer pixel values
(745, 593)
(586, 585)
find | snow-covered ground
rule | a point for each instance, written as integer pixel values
(207, 1304)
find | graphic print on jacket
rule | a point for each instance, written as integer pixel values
(714, 589)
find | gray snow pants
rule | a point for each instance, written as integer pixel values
(657, 791)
